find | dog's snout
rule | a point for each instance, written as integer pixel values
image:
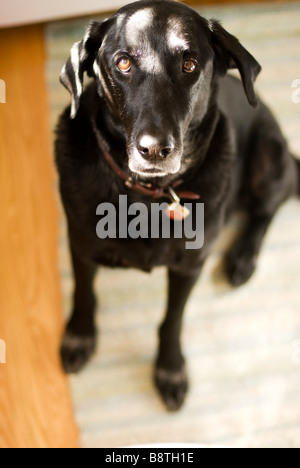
(151, 147)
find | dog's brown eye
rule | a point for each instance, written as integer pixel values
(124, 64)
(189, 65)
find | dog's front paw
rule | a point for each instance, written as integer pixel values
(76, 351)
(172, 386)
(240, 266)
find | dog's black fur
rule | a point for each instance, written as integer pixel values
(210, 130)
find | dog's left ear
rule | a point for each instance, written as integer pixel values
(83, 54)
(231, 54)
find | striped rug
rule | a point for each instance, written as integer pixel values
(242, 346)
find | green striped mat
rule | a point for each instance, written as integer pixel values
(241, 345)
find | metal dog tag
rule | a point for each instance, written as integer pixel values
(175, 210)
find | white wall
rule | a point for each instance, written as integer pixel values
(17, 12)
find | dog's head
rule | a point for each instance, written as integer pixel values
(155, 62)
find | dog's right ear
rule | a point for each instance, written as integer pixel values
(83, 54)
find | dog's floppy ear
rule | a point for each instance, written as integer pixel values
(83, 54)
(231, 54)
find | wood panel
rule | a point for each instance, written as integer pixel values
(35, 404)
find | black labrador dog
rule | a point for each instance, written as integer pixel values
(161, 121)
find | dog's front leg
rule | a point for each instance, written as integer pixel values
(79, 340)
(170, 373)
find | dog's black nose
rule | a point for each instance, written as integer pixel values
(151, 147)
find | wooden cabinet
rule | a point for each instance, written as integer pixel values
(35, 403)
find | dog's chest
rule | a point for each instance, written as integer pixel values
(142, 254)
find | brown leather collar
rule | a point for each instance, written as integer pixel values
(145, 189)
